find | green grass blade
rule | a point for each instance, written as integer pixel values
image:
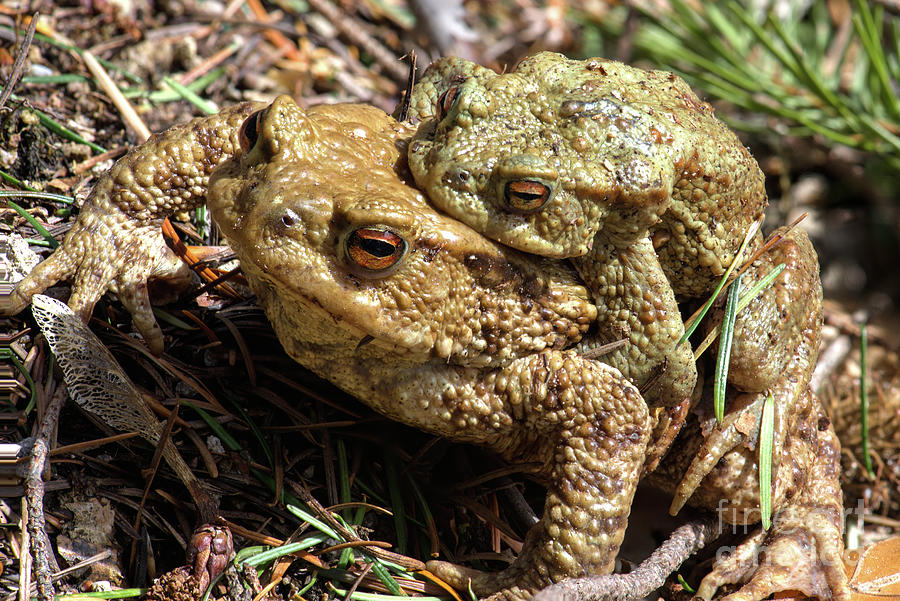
(392, 471)
(759, 286)
(738, 38)
(766, 444)
(846, 93)
(201, 220)
(661, 40)
(741, 305)
(894, 29)
(864, 399)
(64, 132)
(360, 596)
(14, 181)
(54, 79)
(274, 553)
(314, 579)
(36, 242)
(250, 551)
(9, 355)
(343, 475)
(36, 194)
(385, 577)
(724, 355)
(427, 516)
(870, 34)
(697, 24)
(34, 223)
(685, 585)
(170, 95)
(314, 522)
(185, 92)
(764, 38)
(806, 74)
(167, 317)
(107, 64)
(689, 328)
(227, 439)
(125, 593)
(374, 494)
(286, 497)
(257, 433)
(879, 130)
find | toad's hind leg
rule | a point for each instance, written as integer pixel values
(775, 347)
(589, 426)
(802, 549)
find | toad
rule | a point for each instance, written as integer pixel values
(428, 322)
(629, 174)
(626, 172)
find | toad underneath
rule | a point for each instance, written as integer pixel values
(429, 323)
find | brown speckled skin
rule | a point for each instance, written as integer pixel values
(463, 338)
(651, 196)
(116, 243)
(804, 545)
(635, 160)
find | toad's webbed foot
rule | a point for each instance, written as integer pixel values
(774, 562)
(739, 428)
(108, 251)
(116, 244)
(802, 549)
(512, 584)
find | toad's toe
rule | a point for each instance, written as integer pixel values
(743, 418)
(788, 558)
(511, 584)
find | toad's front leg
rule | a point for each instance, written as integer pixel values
(634, 300)
(589, 426)
(116, 243)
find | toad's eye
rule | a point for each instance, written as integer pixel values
(525, 195)
(249, 132)
(375, 249)
(447, 99)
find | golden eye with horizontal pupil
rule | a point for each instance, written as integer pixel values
(526, 195)
(447, 99)
(375, 249)
(249, 132)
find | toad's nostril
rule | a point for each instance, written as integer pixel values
(458, 179)
(289, 218)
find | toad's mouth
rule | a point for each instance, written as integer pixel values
(327, 313)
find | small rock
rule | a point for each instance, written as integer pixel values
(16, 258)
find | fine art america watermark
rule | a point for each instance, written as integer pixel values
(793, 525)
